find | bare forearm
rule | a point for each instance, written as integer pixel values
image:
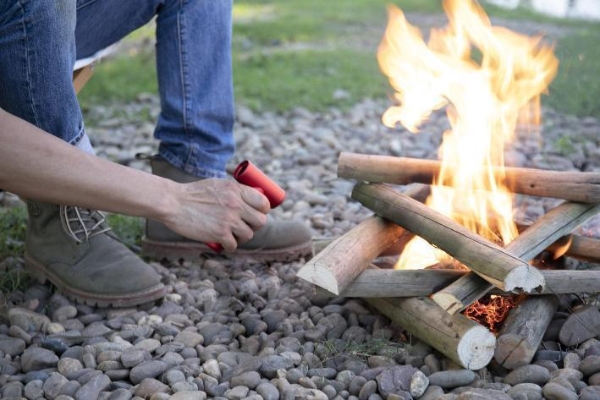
(35, 164)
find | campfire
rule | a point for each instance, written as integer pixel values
(455, 221)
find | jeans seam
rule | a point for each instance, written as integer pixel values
(87, 3)
(28, 66)
(184, 79)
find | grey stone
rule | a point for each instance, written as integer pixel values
(109, 355)
(189, 338)
(92, 388)
(67, 366)
(395, 380)
(483, 394)
(356, 385)
(328, 373)
(555, 391)
(572, 361)
(590, 365)
(33, 389)
(237, 393)
(147, 369)
(530, 390)
(173, 376)
(55, 344)
(35, 358)
(64, 313)
(149, 345)
(271, 364)
(527, 374)
(184, 386)
(452, 378)
(418, 384)
(193, 395)
(590, 393)
(53, 385)
(96, 329)
(70, 388)
(120, 394)
(432, 393)
(268, 391)
(211, 367)
(12, 390)
(131, 358)
(367, 390)
(250, 379)
(11, 346)
(582, 324)
(149, 386)
(27, 320)
(571, 375)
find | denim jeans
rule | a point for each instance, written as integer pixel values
(40, 41)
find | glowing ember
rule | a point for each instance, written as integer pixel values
(492, 310)
(483, 99)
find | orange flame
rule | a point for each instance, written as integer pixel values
(491, 311)
(484, 100)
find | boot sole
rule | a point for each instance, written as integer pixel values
(42, 274)
(193, 251)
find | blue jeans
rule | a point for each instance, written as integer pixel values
(40, 41)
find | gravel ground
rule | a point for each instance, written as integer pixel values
(242, 330)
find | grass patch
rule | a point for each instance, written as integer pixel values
(120, 79)
(13, 278)
(280, 81)
(129, 229)
(13, 224)
(576, 87)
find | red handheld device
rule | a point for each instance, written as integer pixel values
(248, 174)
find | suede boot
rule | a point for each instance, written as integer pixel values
(75, 250)
(276, 241)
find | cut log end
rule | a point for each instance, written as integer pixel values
(321, 276)
(476, 348)
(526, 279)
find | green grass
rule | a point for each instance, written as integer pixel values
(128, 229)
(576, 88)
(307, 79)
(13, 223)
(299, 52)
(120, 79)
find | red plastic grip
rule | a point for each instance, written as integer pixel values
(249, 174)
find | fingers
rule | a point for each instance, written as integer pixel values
(256, 199)
(218, 211)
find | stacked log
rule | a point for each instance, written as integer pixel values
(427, 303)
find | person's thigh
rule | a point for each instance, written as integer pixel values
(37, 47)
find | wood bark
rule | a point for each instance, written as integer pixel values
(457, 337)
(493, 263)
(523, 331)
(580, 247)
(574, 186)
(347, 256)
(407, 283)
(541, 234)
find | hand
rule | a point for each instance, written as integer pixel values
(218, 211)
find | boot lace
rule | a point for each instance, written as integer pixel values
(82, 224)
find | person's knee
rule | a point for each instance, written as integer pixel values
(58, 18)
